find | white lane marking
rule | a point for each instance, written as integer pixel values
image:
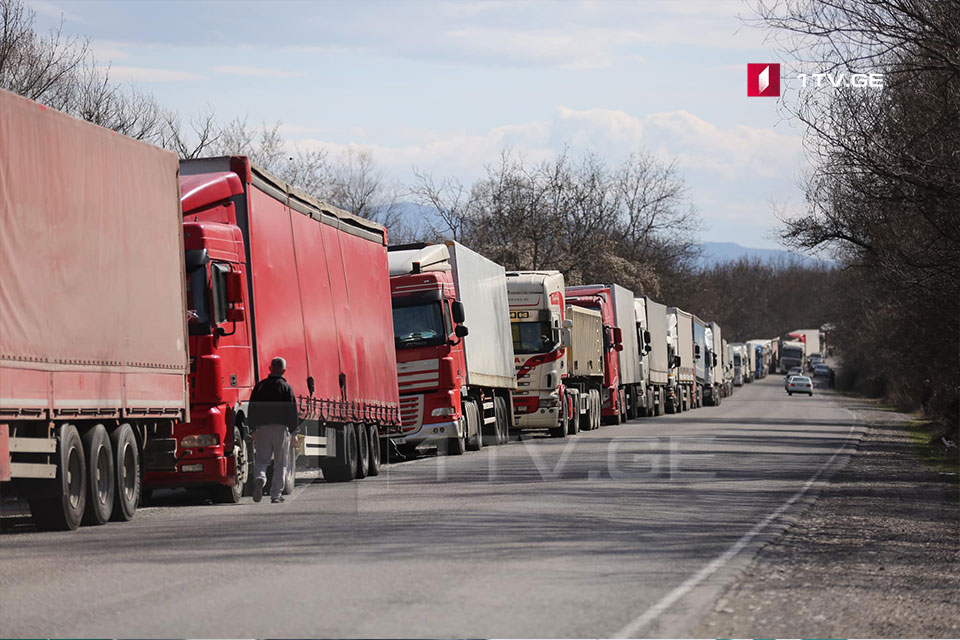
(717, 563)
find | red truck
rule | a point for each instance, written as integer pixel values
(454, 348)
(273, 272)
(93, 335)
(613, 395)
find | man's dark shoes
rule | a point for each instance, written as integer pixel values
(258, 489)
(276, 500)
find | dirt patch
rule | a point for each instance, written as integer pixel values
(878, 554)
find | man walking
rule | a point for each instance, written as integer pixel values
(273, 417)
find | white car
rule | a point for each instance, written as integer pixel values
(800, 384)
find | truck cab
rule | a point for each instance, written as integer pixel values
(597, 297)
(209, 451)
(430, 361)
(537, 326)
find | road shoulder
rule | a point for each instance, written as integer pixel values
(875, 556)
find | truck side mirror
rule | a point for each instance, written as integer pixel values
(646, 338)
(236, 314)
(566, 336)
(714, 359)
(234, 281)
(311, 385)
(461, 331)
(456, 308)
(568, 324)
(676, 361)
(618, 337)
(696, 350)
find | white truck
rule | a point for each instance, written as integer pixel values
(681, 396)
(653, 343)
(543, 331)
(713, 386)
(793, 353)
(727, 369)
(811, 340)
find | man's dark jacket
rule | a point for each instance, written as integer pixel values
(272, 401)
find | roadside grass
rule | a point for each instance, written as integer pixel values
(937, 446)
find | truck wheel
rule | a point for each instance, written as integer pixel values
(231, 495)
(373, 440)
(64, 509)
(363, 451)
(491, 432)
(475, 442)
(337, 471)
(100, 476)
(503, 428)
(456, 445)
(290, 472)
(597, 409)
(658, 402)
(127, 466)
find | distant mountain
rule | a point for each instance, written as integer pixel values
(719, 252)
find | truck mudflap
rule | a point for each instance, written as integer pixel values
(5, 474)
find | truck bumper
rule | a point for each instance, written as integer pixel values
(542, 419)
(429, 433)
(194, 471)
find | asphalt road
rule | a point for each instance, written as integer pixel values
(629, 530)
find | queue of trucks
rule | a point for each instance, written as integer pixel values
(142, 297)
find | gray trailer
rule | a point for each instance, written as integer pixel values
(585, 363)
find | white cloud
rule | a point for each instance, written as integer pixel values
(151, 74)
(259, 72)
(54, 11)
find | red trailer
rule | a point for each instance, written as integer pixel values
(273, 272)
(93, 357)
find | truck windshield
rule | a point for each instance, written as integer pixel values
(792, 352)
(418, 325)
(532, 337)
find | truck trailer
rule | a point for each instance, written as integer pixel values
(728, 373)
(700, 358)
(454, 348)
(652, 338)
(271, 271)
(585, 362)
(682, 396)
(93, 332)
(623, 389)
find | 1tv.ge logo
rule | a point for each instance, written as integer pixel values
(763, 80)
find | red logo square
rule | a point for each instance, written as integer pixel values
(763, 80)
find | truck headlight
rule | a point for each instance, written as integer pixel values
(200, 440)
(548, 403)
(444, 411)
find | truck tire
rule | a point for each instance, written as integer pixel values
(491, 433)
(586, 420)
(126, 464)
(373, 439)
(335, 470)
(63, 510)
(363, 451)
(597, 409)
(658, 402)
(456, 445)
(290, 472)
(503, 425)
(561, 430)
(101, 478)
(231, 495)
(475, 442)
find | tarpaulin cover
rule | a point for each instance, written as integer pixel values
(91, 268)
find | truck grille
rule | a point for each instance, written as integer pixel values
(411, 412)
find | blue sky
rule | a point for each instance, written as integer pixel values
(443, 87)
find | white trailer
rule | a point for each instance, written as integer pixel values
(482, 288)
(684, 369)
(585, 362)
(653, 339)
(713, 386)
(631, 377)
